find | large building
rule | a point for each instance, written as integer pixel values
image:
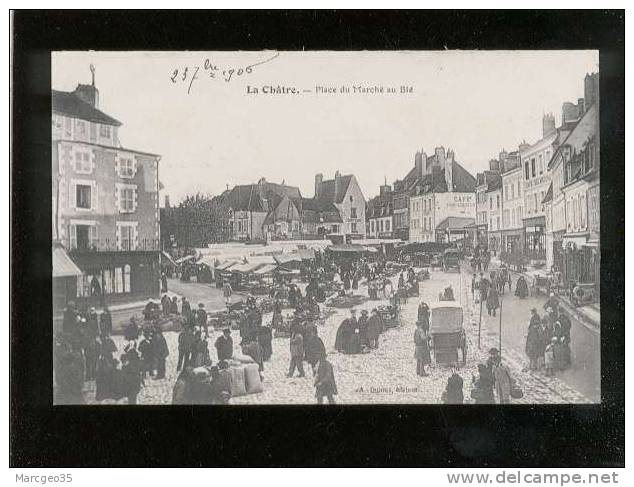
(512, 233)
(344, 192)
(105, 204)
(266, 210)
(443, 196)
(256, 210)
(534, 159)
(573, 199)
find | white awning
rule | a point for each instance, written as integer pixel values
(63, 266)
(266, 269)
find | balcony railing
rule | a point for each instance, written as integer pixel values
(111, 245)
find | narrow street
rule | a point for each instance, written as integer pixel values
(585, 373)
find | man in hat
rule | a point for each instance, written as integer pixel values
(363, 328)
(186, 308)
(374, 329)
(105, 322)
(201, 319)
(224, 345)
(185, 348)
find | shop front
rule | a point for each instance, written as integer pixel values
(535, 238)
(116, 277)
(581, 262)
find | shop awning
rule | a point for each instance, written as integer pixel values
(455, 223)
(63, 266)
(168, 257)
(226, 265)
(245, 268)
(266, 269)
(284, 258)
(185, 259)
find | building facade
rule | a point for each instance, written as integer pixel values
(573, 202)
(379, 214)
(512, 233)
(105, 202)
(445, 192)
(344, 192)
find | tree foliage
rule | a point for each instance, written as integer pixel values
(197, 221)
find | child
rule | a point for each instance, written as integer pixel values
(549, 356)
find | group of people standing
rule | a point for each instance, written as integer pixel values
(548, 339)
(356, 335)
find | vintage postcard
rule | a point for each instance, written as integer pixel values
(273, 227)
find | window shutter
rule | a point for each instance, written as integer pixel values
(117, 200)
(72, 196)
(117, 168)
(73, 236)
(135, 200)
(118, 236)
(94, 204)
(134, 166)
(93, 235)
(135, 230)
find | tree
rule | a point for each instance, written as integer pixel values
(197, 221)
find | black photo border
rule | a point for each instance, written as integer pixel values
(367, 436)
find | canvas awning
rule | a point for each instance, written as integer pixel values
(185, 259)
(284, 258)
(63, 266)
(266, 269)
(168, 257)
(226, 265)
(245, 268)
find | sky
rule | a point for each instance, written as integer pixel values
(211, 132)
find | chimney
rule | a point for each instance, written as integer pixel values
(418, 164)
(581, 105)
(591, 89)
(337, 182)
(448, 163)
(89, 93)
(440, 155)
(569, 112)
(319, 178)
(548, 124)
(494, 165)
(167, 201)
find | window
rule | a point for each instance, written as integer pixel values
(512, 191)
(372, 226)
(381, 226)
(519, 188)
(104, 131)
(126, 235)
(387, 226)
(350, 199)
(533, 172)
(126, 200)
(353, 227)
(490, 203)
(84, 196)
(497, 221)
(536, 203)
(83, 235)
(527, 170)
(541, 164)
(126, 167)
(498, 201)
(80, 125)
(58, 122)
(83, 164)
(353, 213)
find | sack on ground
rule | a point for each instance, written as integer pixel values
(252, 379)
(238, 386)
(244, 359)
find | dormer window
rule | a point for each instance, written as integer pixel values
(104, 131)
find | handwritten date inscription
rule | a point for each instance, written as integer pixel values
(186, 75)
